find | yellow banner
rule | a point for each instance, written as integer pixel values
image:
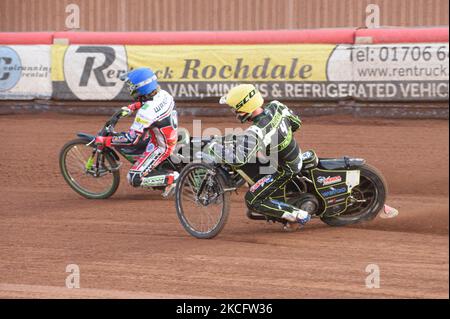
(284, 72)
(255, 63)
(57, 59)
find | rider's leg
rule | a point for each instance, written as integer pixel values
(144, 172)
(260, 197)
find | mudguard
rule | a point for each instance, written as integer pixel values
(340, 163)
(86, 136)
(90, 137)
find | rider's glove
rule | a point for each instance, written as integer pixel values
(209, 149)
(127, 110)
(103, 140)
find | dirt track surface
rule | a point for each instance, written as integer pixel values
(132, 245)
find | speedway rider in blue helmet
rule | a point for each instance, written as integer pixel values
(155, 125)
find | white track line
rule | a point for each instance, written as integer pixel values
(37, 291)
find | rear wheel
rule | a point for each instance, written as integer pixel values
(91, 174)
(366, 201)
(202, 204)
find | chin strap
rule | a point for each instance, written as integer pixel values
(150, 96)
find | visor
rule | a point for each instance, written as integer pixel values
(131, 90)
(143, 83)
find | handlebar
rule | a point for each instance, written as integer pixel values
(203, 156)
(202, 140)
(109, 125)
(114, 118)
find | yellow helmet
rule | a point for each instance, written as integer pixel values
(243, 98)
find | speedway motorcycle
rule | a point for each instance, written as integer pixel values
(94, 171)
(339, 191)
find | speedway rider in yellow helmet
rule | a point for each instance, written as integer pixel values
(272, 122)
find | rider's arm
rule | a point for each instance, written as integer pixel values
(130, 138)
(133, 107)
(237, 150)
(148, 114)
(295, 120)
(134, 135)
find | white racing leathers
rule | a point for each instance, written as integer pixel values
(156, 120)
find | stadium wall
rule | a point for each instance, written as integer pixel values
(346, 68)
(215, 15)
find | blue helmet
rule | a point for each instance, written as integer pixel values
(141, 82)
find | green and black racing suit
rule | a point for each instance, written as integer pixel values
(271, 133)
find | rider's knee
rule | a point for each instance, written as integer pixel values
(249, 200)
(248, 196)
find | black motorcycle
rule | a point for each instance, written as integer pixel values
(339, 191)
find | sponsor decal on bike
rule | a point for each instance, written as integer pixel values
(333, 201)
(154, 181)
(120, 139)
(334, 191)
(263, 181)
(325, 181)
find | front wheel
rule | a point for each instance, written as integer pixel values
(201, 201)
(366, 199)
(91, 174)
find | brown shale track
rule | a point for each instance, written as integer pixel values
(133, 246)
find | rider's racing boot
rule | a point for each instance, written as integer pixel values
(303, 217)
(169, 191)
(295, 219)
(158, 179)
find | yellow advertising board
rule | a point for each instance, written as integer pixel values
(252, 63)
(283, 72)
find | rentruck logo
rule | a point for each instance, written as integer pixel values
(93, 72)
(294, 69)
